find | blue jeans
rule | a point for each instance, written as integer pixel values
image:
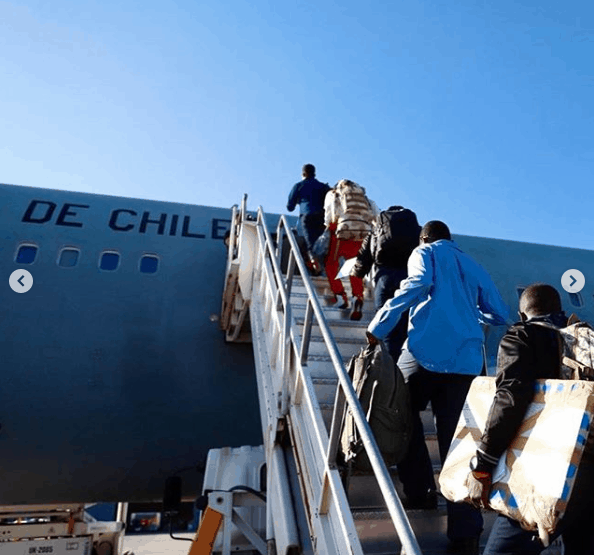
(576, 527)
(447, 393)
(387, 281)
(312, 226)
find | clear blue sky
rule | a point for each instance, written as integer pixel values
(480, 114)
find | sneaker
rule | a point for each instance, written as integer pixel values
(357, 312)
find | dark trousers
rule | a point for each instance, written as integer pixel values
(577, 526)
(447, 393)
(387, 280)
(312, 226)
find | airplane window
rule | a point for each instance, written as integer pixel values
(68, 258)
(149, 264)
(26, 254)
(109, 261)
(576, 300)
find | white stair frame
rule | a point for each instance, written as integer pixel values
(288, 401)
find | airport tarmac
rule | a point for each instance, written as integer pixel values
(157, 544)
(162, 544)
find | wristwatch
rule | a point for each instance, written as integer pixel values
(478, 470)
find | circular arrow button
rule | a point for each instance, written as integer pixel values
(20, 281)
(573, 281)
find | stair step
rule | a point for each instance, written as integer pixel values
(334, 314)
(322, 281)
(325, 381)
(359, 341)
(323, 290)
(378, 536)
(336, 324)
(316, 280)
(326, 394)
(322, 367)
(342, 334)
(319, 352)
(324, 358)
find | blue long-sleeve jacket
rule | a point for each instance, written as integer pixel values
(309, 194)
(450, 296)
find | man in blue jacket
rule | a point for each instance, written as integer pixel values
(309, 194)
(449, 296)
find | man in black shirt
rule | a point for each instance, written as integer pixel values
(529, 351)
(387, 261)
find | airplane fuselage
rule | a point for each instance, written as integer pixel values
(115, 372)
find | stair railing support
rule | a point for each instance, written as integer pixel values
(323, 447)
(393, 503)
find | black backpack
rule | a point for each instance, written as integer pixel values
(396, 236)
(384, 398)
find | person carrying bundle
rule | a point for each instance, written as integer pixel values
(349, 216)
(530, 351)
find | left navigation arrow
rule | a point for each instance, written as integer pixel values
(20, 281)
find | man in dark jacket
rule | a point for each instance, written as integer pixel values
(529, 351)
(309, 194)
(387, 260)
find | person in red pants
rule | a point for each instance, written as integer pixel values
(349, 215)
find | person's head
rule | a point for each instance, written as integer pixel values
(309, 170)
(434, 231)
(539, 299)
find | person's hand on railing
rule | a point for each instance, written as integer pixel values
(372, 339)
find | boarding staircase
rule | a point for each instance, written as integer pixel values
(301, 346)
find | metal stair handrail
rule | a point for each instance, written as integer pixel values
(291, 337)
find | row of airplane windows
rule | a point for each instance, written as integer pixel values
(68, 257)
(575, 299)
(149, 264)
